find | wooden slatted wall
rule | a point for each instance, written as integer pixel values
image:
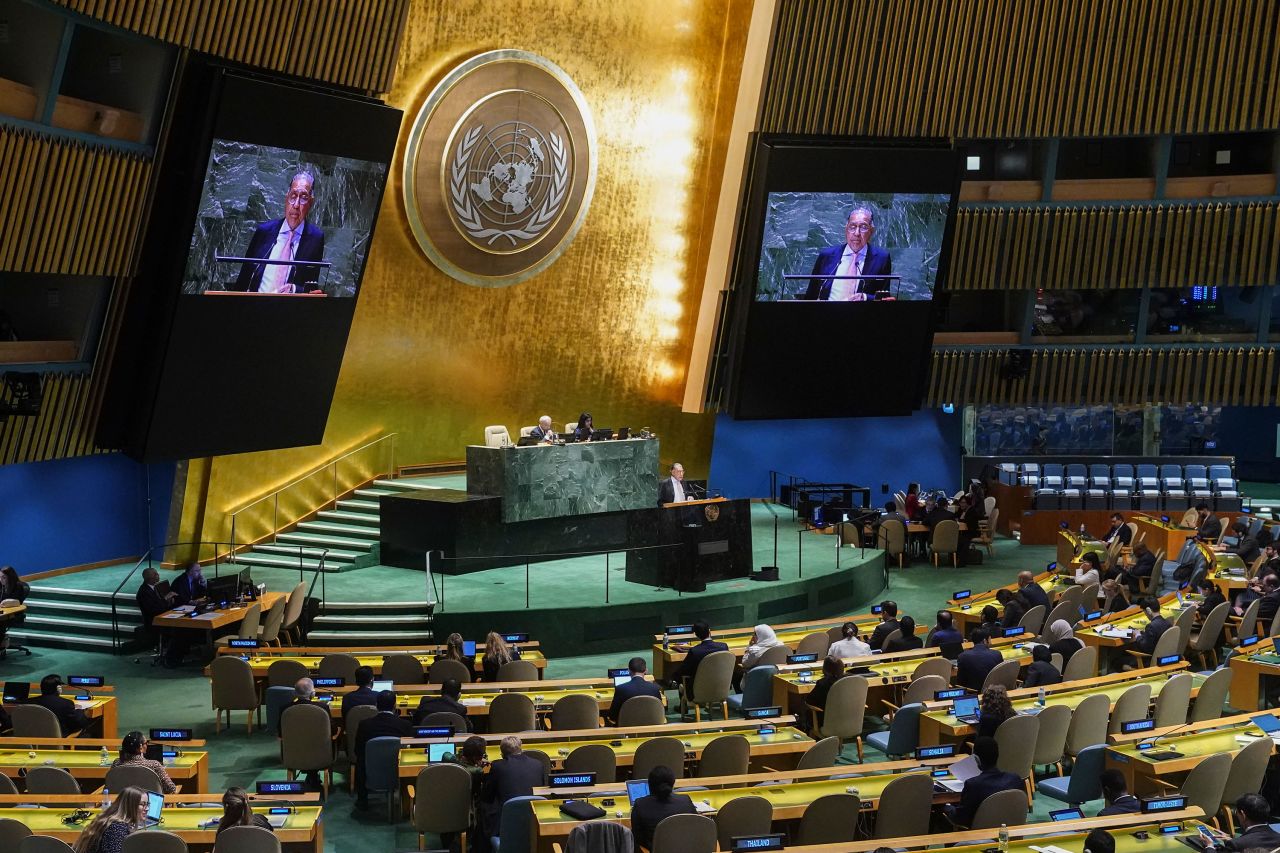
(63, 428)
(346, 42)
(1228, 376)
(45, 180)
(1016, 68)
(1143, 245)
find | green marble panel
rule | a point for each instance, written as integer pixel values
(553, 481)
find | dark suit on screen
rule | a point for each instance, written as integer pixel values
(637, 686)
(877, 261)
(310, 248)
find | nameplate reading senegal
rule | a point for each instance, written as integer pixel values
(499, 168)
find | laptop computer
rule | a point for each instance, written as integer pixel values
(469, 648)
(17, 691)
(637, 788)
(437, 751)
(380, 684)
(155, 805)
(966, 710)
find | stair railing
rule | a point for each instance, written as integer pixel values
(331, 479)
(148, 561)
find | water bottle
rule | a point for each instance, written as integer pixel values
(665, 642)
(1040, 697)
(106, 798)
(1003, 839)
(104, 758)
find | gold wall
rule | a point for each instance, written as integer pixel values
(607, 328)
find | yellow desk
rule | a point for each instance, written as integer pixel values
(737, 639)
(938, 726)
(303, 829)
(789, 800)
(101, 708)
(260, 660)
(1159, 535)
(1102, 632)
(1140, 768)
(1247, 671)
(82, 758)
(1072, 546)
(967, 613)
(478, 697)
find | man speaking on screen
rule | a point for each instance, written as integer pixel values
(290, 238)
(856, 257)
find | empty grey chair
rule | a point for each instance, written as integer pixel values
(350, 727)
(597, 758)
(403, 669)
(1033, 619)
(575, 711)
(444, 669)
(442, 801)
(285, 673)
(938, 666)
(642, 711)
(1173, 701)
(1017, 737)
(1004, 807)
(1083, 784)
(446, 718)
(136, 775)
(685, 833)
(515, 826)
(153, 841)
(1212, 696)
(6, 785)
(511, 713)
(43, 844)
(246, 839)
(1051, 738)
(816, 643)
(659, 751)
(233, 688)
(773, 656)
(12, 832)
(822, 754)
(712, 683)
(743, 816)
(517, 670)
(1083, 664)
(339, 665)
(1206, 782)
(1132, 705)
(1248, 766)
(51, 780)
(1088, 723)
(830, 820)
(1004, 673)
(381, 769)
(757, 688)
(904, 806)
(903, 735)
(35, 721)
(276, 700)
(727, 755)
(845, 711)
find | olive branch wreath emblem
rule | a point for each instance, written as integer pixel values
(469, 216)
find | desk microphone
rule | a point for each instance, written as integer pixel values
(1159, 737)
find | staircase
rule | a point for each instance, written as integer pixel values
(364, 623)
(350, 532)
(64, 618)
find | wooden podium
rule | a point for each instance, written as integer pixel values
(685, 545)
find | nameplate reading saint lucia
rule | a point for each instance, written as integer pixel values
(500, 168)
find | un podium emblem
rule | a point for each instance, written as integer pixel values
(499, 168)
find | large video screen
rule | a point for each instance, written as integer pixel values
(840, 252)
(264, 210)
(280, 221)
(851, 247)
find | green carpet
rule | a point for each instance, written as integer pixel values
(153, 697)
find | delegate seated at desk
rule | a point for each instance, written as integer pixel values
(544, 430)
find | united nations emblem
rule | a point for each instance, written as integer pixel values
(711, 511)
(500, 168)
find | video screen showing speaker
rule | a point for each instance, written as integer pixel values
(841, 250)
(851, 247)
(282, 222)
(265, 206)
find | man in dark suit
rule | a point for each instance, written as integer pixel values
(449, 700)
(1032, 592)
(363, 694)
(1119, 530)
(672, 489)
(190, 585)
(693, 656)
(992, 780)
(973, 664)
(70, 718)
(513, 775)
(637, 686)
(888, 624)
(1253, 813)
(153, 599)
(855, 257)
(304, 693)
(1246, 547)
(1144, 563)
(939, 512)
(385, 723)
(1270, 603)
(1156, 625)
(1207, 526)
(289, 238)
(544, 431)
(1116, 794)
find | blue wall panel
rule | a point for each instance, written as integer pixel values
(924, 447)
(88, 509)
(1249, 434)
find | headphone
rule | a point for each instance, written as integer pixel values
(77, 816)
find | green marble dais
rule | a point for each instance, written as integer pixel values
(554, 481)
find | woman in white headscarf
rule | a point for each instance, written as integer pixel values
(761, 641)
(1062, 640)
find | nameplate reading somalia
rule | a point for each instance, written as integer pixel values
(500, 168)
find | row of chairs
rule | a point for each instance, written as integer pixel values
(16, 837)
(1124, 486)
